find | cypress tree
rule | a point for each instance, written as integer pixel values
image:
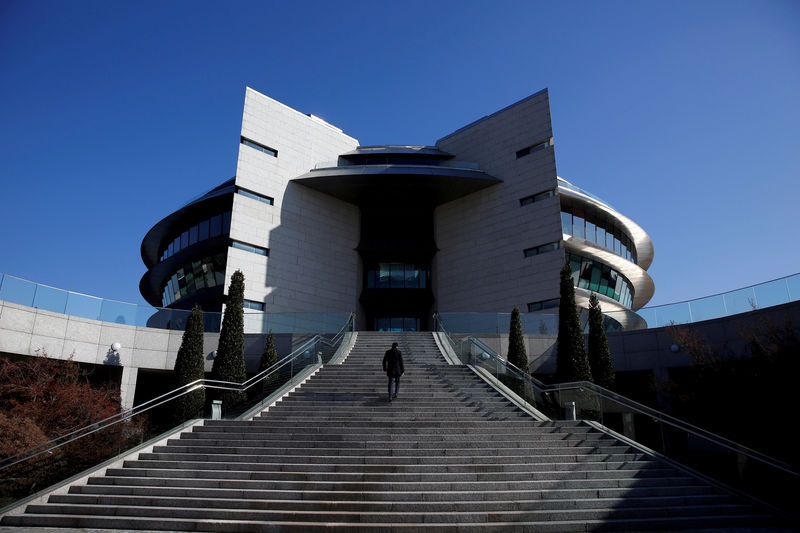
(229, 362)
(517, 355)
(268, 358)
(189, 367)
(597, 346)
(572, 364)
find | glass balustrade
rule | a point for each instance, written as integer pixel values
(766, 294)
(719, 458)
(26, 472)
(36, 295)
(23, 292)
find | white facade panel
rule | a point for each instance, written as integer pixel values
(311, 237)
(481, 265)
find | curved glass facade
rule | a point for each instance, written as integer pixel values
(211, 227)
(200, 274)
(600, 278)
(594, 226)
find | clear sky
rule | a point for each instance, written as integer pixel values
(684, 115)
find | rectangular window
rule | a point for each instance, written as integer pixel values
(549, 247)
(590, 231)
(383, 276)
(192, 235)
(252, 304)
(535, 147)
(412, 277)
(226, 222)
(601, 236)
(397, 276)
(261, 198)
(566, 223)
(260, 147)
(537, 197)
(250, 248)
(544, 304)
(202, 230)
(216, 225)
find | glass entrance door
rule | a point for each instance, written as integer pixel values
(396, 324)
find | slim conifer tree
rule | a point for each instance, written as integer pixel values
(189, 367)
(597, 346)
(572, 364)
(268, 358)
(517, 354)
(229, 362)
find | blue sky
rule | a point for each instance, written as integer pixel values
(683, 115)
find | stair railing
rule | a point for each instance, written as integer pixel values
(718, 457)
(316, 350)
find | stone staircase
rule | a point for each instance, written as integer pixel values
(451, 454)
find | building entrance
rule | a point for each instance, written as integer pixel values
(396, 324)
(396, 250)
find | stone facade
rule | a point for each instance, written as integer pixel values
(480, 265)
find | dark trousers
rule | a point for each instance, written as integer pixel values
(396, 385)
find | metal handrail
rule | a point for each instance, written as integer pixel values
(631, 404)
(202, 383)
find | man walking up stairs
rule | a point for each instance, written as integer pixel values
(334, 455)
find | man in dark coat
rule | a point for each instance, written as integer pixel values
(393, 366)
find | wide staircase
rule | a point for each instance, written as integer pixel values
(450, 454)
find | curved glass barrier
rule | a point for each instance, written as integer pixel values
(562, 183)
(767, 294)
(540, 323)
(23, 292)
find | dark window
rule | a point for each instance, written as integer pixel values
(396, 276)
(256, 306)
(255, 196)
(544, 304)
(226, 223)
(396, 324)
(202, 230)
(192, 235)
(537, 197)
(216, 225)
(260, 147)
(544, 248)
(535, 147)
(250, 248)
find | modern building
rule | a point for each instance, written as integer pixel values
(479, 222)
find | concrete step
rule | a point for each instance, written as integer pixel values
(159, 471)
(393, 517)
(545, 526)
(527, 468)
(386, 486)
(389, 506)
(450, 455)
